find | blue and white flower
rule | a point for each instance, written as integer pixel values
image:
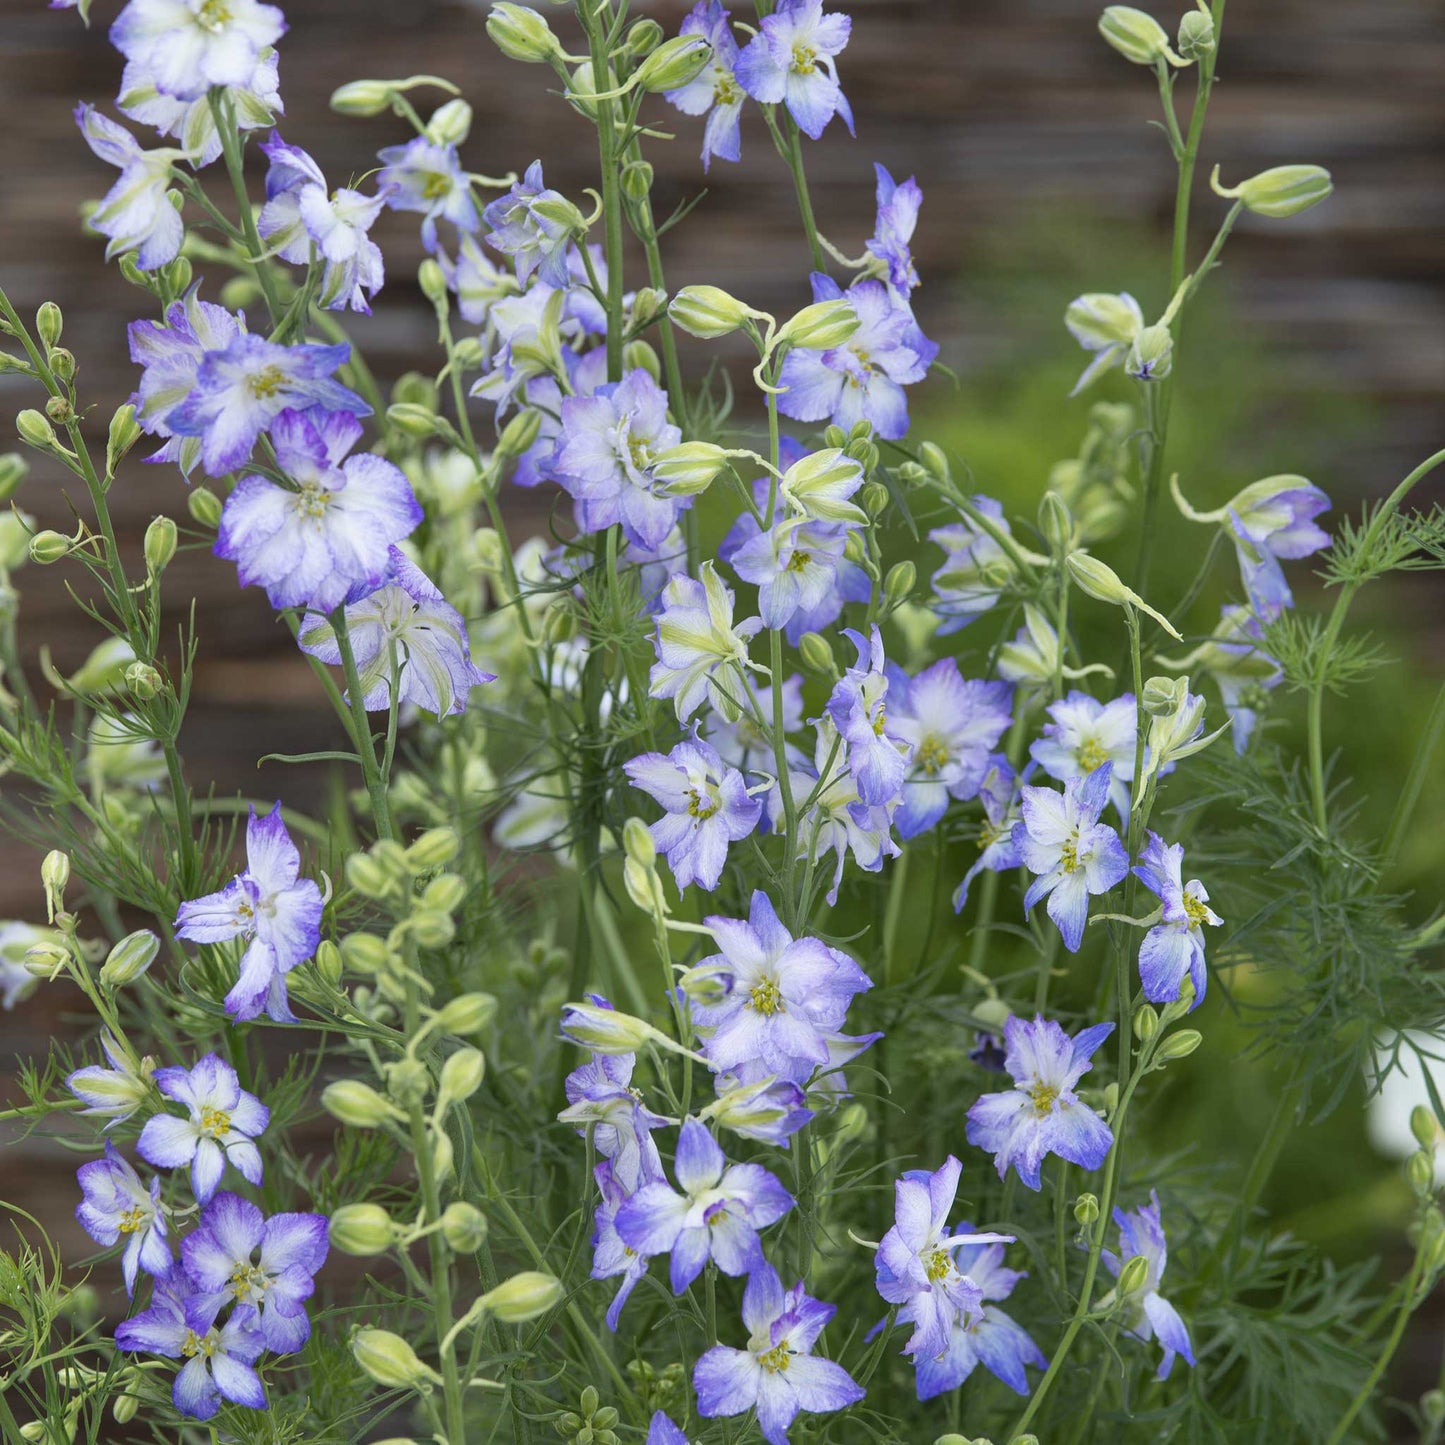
(136, 214)
(791, 61)
(1174, 948)
(1147, 1314)
(714, 91)
(116, 1206)
(187, 47)
(428, 178)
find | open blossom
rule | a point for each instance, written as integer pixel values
(189, 46)
(192, 122)
(790, 61)
(535, 242)
(241, 390)
(607, 450)
(114, 1093)
(1174, 947)
(878, 755)
(271, 907)
(1041, 1114)
(701, 654)
(707, 808)
(136, 213)
(1147, 1314)
(611, 1256)
(601, 1097)
(405, 625)
(862, 379)
(782, 995)
(915, 1262)
(426, 177)
(1061, 840)
(777, 1373)
(1105, 325)
(951, 725)
(264, 1265)
(116, 1206)
(301, 212)
(794, 565)
(219, 1362)
(975, 569)
(998, 852)
(1084, 734)
(329, 537)
(1243, 671)
(898, 206)
(715, 1213)
(223, 1120)
(662, 1431)
(714, 91)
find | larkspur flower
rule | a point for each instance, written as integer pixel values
(662, 1431)
(241, 390)
(301, 212)
(478, 281)
(714, 91)
(765, 1108)
(1105, 325)
(428, 178)
(171, 354)
(264, 1264)
(715, 1213)
(406, 624)
(743, 744)
(611, 1256)
(136, 213)
(1042, 1114)
(115, 1093)
(863, 379)
(951, 725)
(1242, 670)
(790, 61)
(1174, 947)
(1263, 578)
(536, 242)
(898, 206)
(706, 804)
(1061, 840)
(783, 996)
(794, 565)
(878, 754)
(602, 1099)
(329, 537)
(915, 1261)
(607, 450)
(1083, 734)
(975, 569)
(189, 46)
(829, 1086)
(116, 1206)
(223, 1120)
(702, 655)
(193, 122)
(219, 1362)
(777, 1373)
(998, 852)
(1147, 1314)
(1278, 515)
(987, 1336)
(271, 907)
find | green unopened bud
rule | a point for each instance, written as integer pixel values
(389, 1360)
(143, 680)
(467, 1014)
(329, 963)
(875, 499)
(1283, 190)
(1424, 1127)
(123, 434)
(129, 959)
(523, 1297)
(1134, 1275)
(520, 33)
(418, 390)
(47, 547)
(902, 578)
(369, 877)
(935, 461)
(461, 1076)
(1432, 1407)
(365, 952)
(35, 429)
(643, 37)
(821, 326)
(54, 875)
(638, 353)
(638, 843)
(408, 1081)
(464, 1227)
(362, 97)
(689, 469)
(675, 63)
(560, 212)
(13, 469)
(817, 654)
(433, 849)
(49, 323)
(62, 363)
(604, 1030)
(356, 1104)
(1420, 1171)
(432, 928)
(60, 411)
(450, 123)
(1099, 581)
(179, 274)
(1086, 1209)
(1137, 36)
(444, 893)
(1146, 1022)
(361, 1229)
(124, 1408)
(1151, 354)
(707, 312)
(1162, 696)
(643, 886)
(160, 545)
(442, 1155)
(1196, 35)
(520, 432)
(636, 186)
(1179, 1046)
(204, 506)
(432, 280)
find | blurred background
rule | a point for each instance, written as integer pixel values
(1322, 349)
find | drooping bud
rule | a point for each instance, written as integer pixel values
(1137, 36)
(520, 33)
(604, 1030)
(689, 469)
(1151, 354)
(49, 323)
(461, 1077)
(450, 123)
(47, 547)
(523, 1297)
(356, 1104)
(160, 545)
(464, 1227)
(362, 97)
(1134, 1275)
(129, 959)
(675, 63)
(361, 1229)
(707, 312)
(821, 326)
(1101, 582)
(1284, 191)
(389, 1360)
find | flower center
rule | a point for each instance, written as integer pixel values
(701, 808)
(766, 998)
(880, 720)
(1069, 855)
(214, 15)
(799, 561)
(640, 452)
(133, 1220)
(1043, 1097)
(805, 59)
(1195, 911)
(775, 1359)
(937, 1264)
(726, 90)
(313, 500)
(1092, 756)
(932, 754)
(436, 185)
(215, 1122)
(267, 382)
(195, 1344)
(249, 1283)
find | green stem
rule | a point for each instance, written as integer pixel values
(361, 728)
(790, 148)
(594, 18)
(235, 167)
(1414, 782)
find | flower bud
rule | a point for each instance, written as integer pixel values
(643, 37)
(389, 1360)
(902, 578)
(442, 1155)
(523, 1297)
(413, 420)
(433, 282)
(707, 312)
(143, 680)
(1099, 581)
(639, 354)
(464, 1227)
(1285, 190)
(160, 545)
(1196, 35)
(433, 849)
(821, 326)
(689, 469)
(1424, 1127)
(62, 363)
(54, 875)
(45, 960)
(638, 843)
(14, 366)
(1178, 1046)
(1086, 1209)
(49, 323)
(1056, 522)
(123, 434)
(13, 468)
(432, 928)
(520, 432)
(365, 952)
(1134, 1275)
(675, 63)
(35, 429)
(637, 185)
(361, 1229)
(450, 123)
(368, 877)
(1138, 37)
(125, 1408)
(408, 1080)
(461, 1077)
(356, 1104)
(444, 893)
(1420, 1171)
(520, 33)
(60, 411)
(362, 97)
(1432, 1407)
(103, 670)
(329, 963)
(875, 499)
(204, 506)
(1146, 1022)
(603, 1030)
(816, 653)
(47, 547)
(129, 959)
(467, 1014)
(1151, 355)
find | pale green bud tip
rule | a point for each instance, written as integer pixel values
(1097, 579)
(523, 1297)
(361, 1229)
(1424, 1127)
(468, 1014)
(462, 1075)
(707, 312)
(604, 1030)
(204, 506)
(49, 323)
(129, 959)
(674, 63)
(520, 432)
(357, 1104)
(901, 579)
(822, 325)
(520, 33)
(362, 97)
(1086, 1208)
(434, 849)
(644, 36)
(48, 546)
(1196, 35)
(160, 544)
(638, 843)
(432, 280)
(1146, 1022)
(1179, 1046)
(690, 468)
(1133, 1276)
(450, 124)
(1056, 522)
(816, 652)
(1286, 190)
(1137, 36)
(34, 428)
(389, 1360)
(464, 1227)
